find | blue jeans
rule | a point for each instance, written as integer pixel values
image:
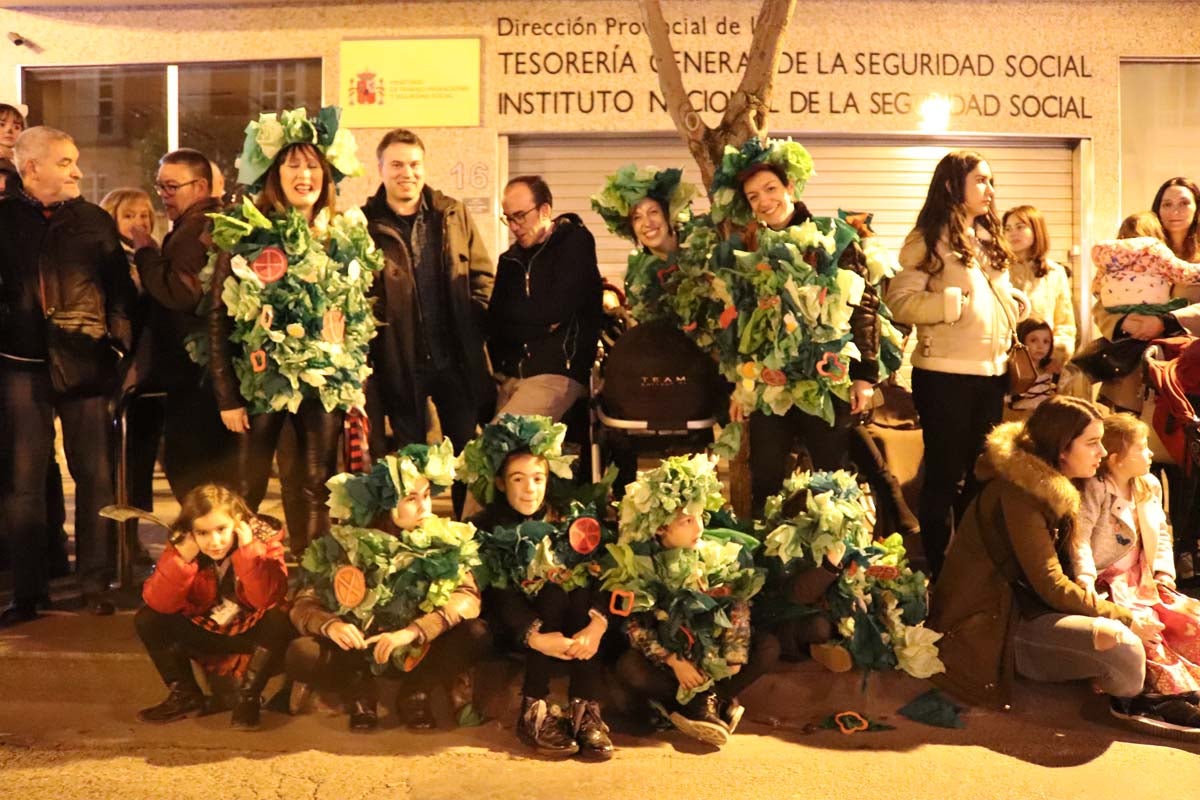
(28, 407)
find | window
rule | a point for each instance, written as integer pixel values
(120, 115)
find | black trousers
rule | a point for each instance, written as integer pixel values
(319, 662)
(565, 613)
(171, 639)
(773, 437)
(457, 416)
(317, 435)
(957, 413)
(197, 447)
(653, 682)
(28, 406)
(144, 421)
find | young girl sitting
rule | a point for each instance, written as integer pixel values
(544, 600)
(215, 596)
(376, 599)
(1038, 338)
(686, 592)
(1121, 545)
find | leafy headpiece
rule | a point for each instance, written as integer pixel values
(483, 458)
(680, 483)
(360, 498)
(630, 185)
(728, 201)
(272, 133)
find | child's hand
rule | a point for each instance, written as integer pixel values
(585, 643)
(385, 643)
(1148, 629)
(237, 420)
(244, 534)
(554, 645)
(1163, 579)
(345, 635)
(686, 673)
(187, 548)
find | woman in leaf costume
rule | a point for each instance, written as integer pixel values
(216, 596)
(289, 319)
(803, 338)
(395, 599)
(686, 594)
(539, 579)
(852, 598)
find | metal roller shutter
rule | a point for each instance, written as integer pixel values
(889, 179)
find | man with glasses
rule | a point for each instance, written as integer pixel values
(432, 299)
(546, 309)
(196, 446)
(65, 297)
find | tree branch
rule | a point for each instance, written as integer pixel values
(751, 102)
(687, 121)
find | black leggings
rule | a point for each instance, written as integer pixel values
(565, 613)
(172, 639)
(317, 433)
(319, 662)
(653, 682)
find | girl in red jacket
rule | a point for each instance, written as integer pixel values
(216, 595)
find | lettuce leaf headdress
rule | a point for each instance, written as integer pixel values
(271, 133)
(630, 185)
(680, 483)
(482, 459)
(728, 202)
(360, 498)
(877, 604)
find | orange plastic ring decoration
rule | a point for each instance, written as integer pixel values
(618, 608)
(859, 722)
(258, 360)
(838, 370)
(411, 660)
(691, 640)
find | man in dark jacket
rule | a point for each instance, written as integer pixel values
(546, 308)
(65, 293)
(432, 299)
(197, 448)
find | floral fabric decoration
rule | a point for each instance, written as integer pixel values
(405, 576)
(361, 497)
(728, 202)
(271, 133)
(878, 602)
(282, 356)
(680, 483)
(483, 458)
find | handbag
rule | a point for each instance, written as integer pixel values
(1104, 359)
(1022, 372)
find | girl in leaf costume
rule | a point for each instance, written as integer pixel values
(686, 594)
(539, 579)
(804, 337)
(395, 599)
(217, 595)
(853, 598)
(289, 320)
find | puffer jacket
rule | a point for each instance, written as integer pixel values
(964, 325)
(1003, 565)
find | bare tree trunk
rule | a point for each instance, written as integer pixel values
(746, 116)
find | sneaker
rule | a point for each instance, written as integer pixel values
(544, 730)
(731, 713)
(701, 720)
(1170, 716)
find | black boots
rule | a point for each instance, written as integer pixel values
(247, 712)
(362, 701)
(545, 731)
(589, 730)
(415, 711)
(185, 700)
(701, 719)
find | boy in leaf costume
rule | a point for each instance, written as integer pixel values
(686, 594)
(376, 598)
(852, 598)
(538, 570)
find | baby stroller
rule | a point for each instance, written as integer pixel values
(656, 393)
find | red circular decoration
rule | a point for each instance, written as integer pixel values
(271, 264)
(584, 534)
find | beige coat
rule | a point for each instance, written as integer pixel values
(1050, 301)
(961, 327)
(1108, 526)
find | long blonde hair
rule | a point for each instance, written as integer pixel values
(1121, 432)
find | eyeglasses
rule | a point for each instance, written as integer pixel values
(517, 217)
(169, 189)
